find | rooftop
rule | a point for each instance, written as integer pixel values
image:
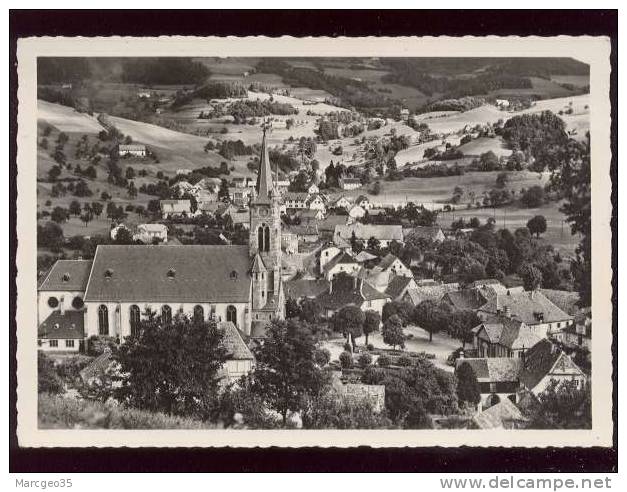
(530, 307)
(69, 325)
(503, 415)
(190, 273)
(234, 343)
(366, 231)
(67, 275)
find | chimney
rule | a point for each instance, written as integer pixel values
(506, 312)
(461, 354)
(62, 305)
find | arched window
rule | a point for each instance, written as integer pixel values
(134, 318)
(266, 238)
(166, 314)
(103, 320)
(199, 313)
(231, 314)
(260, 238)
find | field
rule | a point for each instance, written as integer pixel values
(478, 146)
(576, 80)
(511, 217)
(541, 87)
(66, 119)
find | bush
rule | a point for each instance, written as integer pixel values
(404, 361)
(347, 347)
(346, 360)
(96, 345)
(370, 347)
(383, 361)
(48, 381)
(322, 357)
(56, 412)
(365, 359)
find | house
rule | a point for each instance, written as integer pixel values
(544, 364)
(398, 286)
(295, 200)
(210, 207)
(62, 332)
(503, 415)
(404, 113)
(316, 202)
(326, 227)
(351, 292)
(132, 150)
(305, 233)
(63, 288)
(240, 359)
(148, 233)
(465, 299)
(502, 103)
(428, 291)
(181, 187)
(531, 307)
(212, 185)
(327, 253)
(341, 202)
(305, 288)
(566, 300)
(349, 183)
(498, 377)
(175, 208)
(578, 334)
(183, 171)
(502, 336)
(356, 212)
(239, 217)
(311, 215)
(429, 233)
(240, 182)
(380, 276)
(341, 263)
(394, 265)
(385, 234)
(313, 189)
(365, 257)
(240, 195)
(289, 242)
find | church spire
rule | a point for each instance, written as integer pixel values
(265, 185)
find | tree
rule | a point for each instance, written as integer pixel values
(86, 218)
(54, 172)
(75, 207)
(285, 368)
(154, 207)
(427, 315)
(393, 332)
(372, 321)
(562, 405)
(374, 245)
(48, 381)
(131, 190)
(533, 197)
(172, 367)
(223, 192)
(502, 179)
(130, 173)
(467, 385)
(104, 196)
(96, 208)
(59, 215)
(531, 276)
(537, 225)
(400, 308)
(350, 320)
(310, 311)
(50, 236)
(124, 236)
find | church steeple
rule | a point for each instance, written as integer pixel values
(265, 185)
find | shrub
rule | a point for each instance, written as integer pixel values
(322, 357)
(370, 347)
(96, 344)
(347, 347)
(365, 359)
(48, 381)
(346, 360)
(404, 361)
(383, 361)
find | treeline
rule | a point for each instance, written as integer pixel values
(247, 109)
(210, 90)
(460, 104)
(351, 92)
(166, 71)
(52, 70)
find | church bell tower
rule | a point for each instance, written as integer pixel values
(265, 238)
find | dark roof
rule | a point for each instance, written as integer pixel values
(387, 261)
(510, 333)
(67, 275)
(466, 299)
(170, 273)
(359, 292)
(234, 343)
(425, 232)
(298, 289)
(526, 306)
(71, 324)
(397, 285)
(342, 257)
(329, 223)
(265, 186)
(538, 362)
(563, 299)
(502, 415)
(494, 369)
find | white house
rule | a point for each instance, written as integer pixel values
(135, 150)
(313, 189)
(327, 254)
(341, 263)
(349, 183)
(316, 202)
(296, 200)
(363, 202)
(502, 103)
(359, 293)
(147, 233)
(341, 202)
(356, 212)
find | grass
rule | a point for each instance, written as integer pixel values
(478, 146)
(66, 119)
(58, 412)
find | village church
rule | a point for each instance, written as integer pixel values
(108, 296)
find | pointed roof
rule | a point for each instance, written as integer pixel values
(265, 186)
(258, 265)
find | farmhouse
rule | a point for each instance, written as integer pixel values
(341, 202)
(533, 308)
(355, 293)
(399, 286)
(295, 200)
(132, 150)
(62, 332)
(385, 234)
(175, 208)
(148, 233)
(350, 183)
(238, 284)
(305, 288)
(503, 337)
(432, 233)
(498, 377)
(341, 263)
